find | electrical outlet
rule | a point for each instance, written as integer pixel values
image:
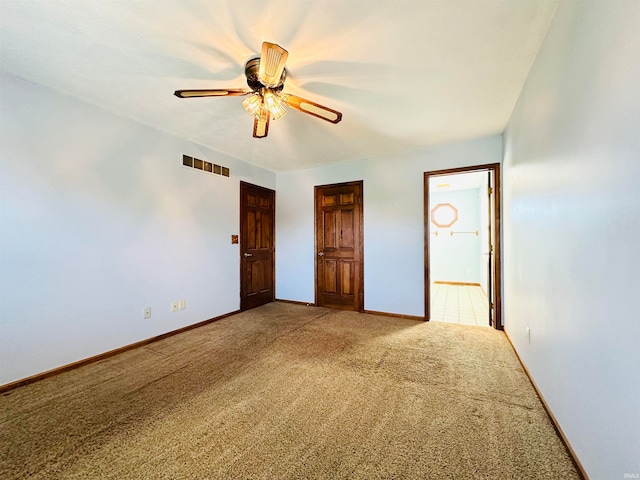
(174, 306)
(147, 312)
(182, 304)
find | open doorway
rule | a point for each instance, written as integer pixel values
(462, 246)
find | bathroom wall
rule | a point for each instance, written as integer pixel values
(456, 250)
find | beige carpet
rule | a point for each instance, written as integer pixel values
(286, 391)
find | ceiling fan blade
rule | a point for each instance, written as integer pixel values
(229, 92)
(312, 108)
(272, 61)
(261, 124)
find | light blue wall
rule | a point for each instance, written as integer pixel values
(572, 230)
(99, 220)
(455, 258)
(393, 222)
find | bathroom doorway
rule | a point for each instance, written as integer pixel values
(462, 246)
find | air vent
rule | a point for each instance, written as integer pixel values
(205, 166)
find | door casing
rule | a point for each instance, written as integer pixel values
(496, 311)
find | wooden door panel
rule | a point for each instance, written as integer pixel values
(251, 234)
(267, 234)
(262, 231)
(339, 243)
(346, 198)
(346, 229)
(329, 228)
(256, 283)
(328, 200)
(330, 276)
(259, 273)
(347, 278)
(257, 246)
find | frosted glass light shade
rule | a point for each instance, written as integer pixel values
(274, 104)
(252, 104)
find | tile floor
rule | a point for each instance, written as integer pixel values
(463, 304)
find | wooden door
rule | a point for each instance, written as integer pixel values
(257, 246)
(339, 246)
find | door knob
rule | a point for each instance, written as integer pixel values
(321, 254)
(248, 255)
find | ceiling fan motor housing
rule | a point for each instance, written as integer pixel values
(251, 70)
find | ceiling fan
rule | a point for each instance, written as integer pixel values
(266, 76)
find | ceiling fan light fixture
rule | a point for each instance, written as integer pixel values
(266, 75)
(274, 105)
(253, 104)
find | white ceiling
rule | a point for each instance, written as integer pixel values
(405, 74)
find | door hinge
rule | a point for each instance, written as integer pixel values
(490, 191)
(491, 305)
